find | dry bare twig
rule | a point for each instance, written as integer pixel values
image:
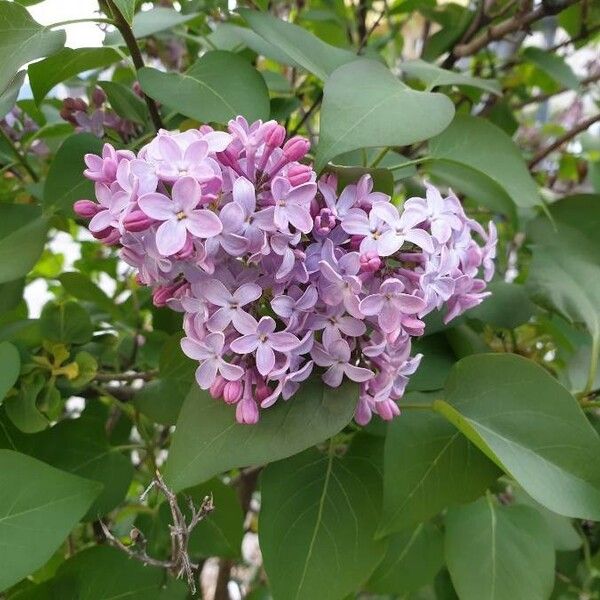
(180, 530)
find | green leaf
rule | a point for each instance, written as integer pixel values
(302, 47)
(22, 227)
(476, 185)
(499, 552)
(469, 141)
(126, 8)
(428, 466)
(523, 419)
(22, 409)
(317, 525)
(434, 76)
(438, 359)
(11, 367)
(124, 102)
(67, 63)
(105, 573)
(412, 560)
(80, 446)
(149, 22)
(23, 40)
(553, 65)
(39, 506)
(382, 111)
(8, 97)
(83, 288)
(67, 322)
(509, 306)
(65, 183)
(565, 272)
(161, 400)
(216, 88)
(564, 534)
(383, 179)
(208, 440)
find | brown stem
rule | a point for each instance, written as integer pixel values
(307, 114)
(563, 139)
(543, 97)
(221, 591)
(146, 376)
(519, 22)
(136, 56)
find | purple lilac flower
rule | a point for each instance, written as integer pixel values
(279, 275)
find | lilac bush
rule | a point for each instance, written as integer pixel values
(276, 273)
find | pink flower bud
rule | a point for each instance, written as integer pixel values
(232, 392)
(299, 174)
(355, 241)
(187, 250)
(204, 129)
(296, 148)
(275, 135)
(137, 89)
(246, 412)
(370, 262)
(164, 293)
(362, 413)
(108, 236)
(86, 208)
(137, 220)
(387, 409)
(98, 97)
(261, 391)
(216, 389)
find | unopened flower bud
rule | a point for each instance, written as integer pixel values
(296, 148)
(261, 391)
(216, 389)
(387, 409)
(246, 412)
(164, 293)
(324, 221)
(86, 208)
(275, 135)
(370, 262)
(98, 97)
(137, 221)
(232, 392)
(299, 174)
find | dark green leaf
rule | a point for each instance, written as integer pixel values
(8, 97)
(469, 140)
(124, 102)
(383, 179)
(438, 359)
(412, 560)
(83, 288)
(67, 63)
(523, 419)
(23, 40)
(509, 306)
(434, 76)
(216, 88)
(39, 505)
(65, 183)
(499, 552)
(428, 466)
(67, 322)
(208, 440)
(22, 408)
(23, 231)
(554, 65)
(322, 512)
(302, 47)
(382, 111)
(161, 400)
(11, 366)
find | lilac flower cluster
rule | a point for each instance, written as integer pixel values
(278, 275)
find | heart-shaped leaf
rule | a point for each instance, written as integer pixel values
(365, 106)
(208, 440)
(216, 88)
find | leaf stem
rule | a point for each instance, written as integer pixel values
(379, 157)
(136, 56)
(416, 405)
(408, 163)
(86, 20)
(595, 356)
(19, 156)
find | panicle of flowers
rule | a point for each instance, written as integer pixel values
(278, 275)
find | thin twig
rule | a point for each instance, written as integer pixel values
(136, 56)
(145, 376)
(543, 97)
(563, 139)
(365, 38)
(180, 531)
(520, 22)
(307, 114)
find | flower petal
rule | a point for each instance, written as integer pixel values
(265, 359)
(170, 237)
